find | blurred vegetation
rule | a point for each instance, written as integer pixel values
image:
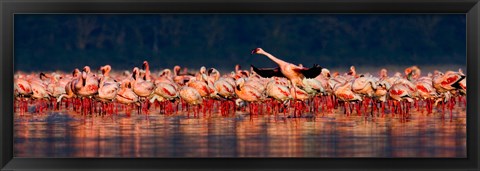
(63, 42)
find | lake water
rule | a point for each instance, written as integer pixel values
(70, 134)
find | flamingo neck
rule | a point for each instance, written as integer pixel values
(175, 72)
(81, 81)
(147, 73)
(217, 77)
(274, 59)
(107, 73)
(102, 81)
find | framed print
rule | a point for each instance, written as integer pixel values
(239, 85)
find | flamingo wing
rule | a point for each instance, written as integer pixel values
(310, 72)
(457, 84)
(268, 72)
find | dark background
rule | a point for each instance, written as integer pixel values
(63, 42)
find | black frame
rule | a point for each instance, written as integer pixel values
(9, 7)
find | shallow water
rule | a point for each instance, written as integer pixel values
(69, 134)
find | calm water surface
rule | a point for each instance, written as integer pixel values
(69, 134)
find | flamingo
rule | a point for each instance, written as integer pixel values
(446, 84)
(383, 73)
(22, 90)
(200, 83)
(22, 87)
(366, 87)
(126, 95)
(344, 93)
(165, 91)
(191, 96)
(413, 73)
(70, 89)
(400, 93)
(39, 92)
(426, 91)
(142, 87)
(380, 94)
(324, 78)
(108, 87)
(86, 87)
(293, 72)
(224, 88)
(56, 87)
(299, 96)
(240, 73)
(448, 81)
(248, 94)
(352, 72)
(146, 67)
(313, 86)
(280, 93)
(180, 79)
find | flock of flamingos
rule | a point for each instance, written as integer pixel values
(289, 89)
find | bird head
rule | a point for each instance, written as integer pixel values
(135, 73)
(325, 72)
(210, 71)
(213, 71)
(145, 65)
(86, 69)
(408, 71)
(103, 70)
(257, 51)
(203, 70)
(42, 75)
(75, 72)
(383, 73)
(176, 69)
(107, 67)
(352, 71)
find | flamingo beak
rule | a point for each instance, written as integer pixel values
(210, 71)
(42, 75)
(254, 51)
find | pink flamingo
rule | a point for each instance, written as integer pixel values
(192, 97)
(293, 72)
(299, 97)
(248, 94)
(108, 88)
(380, 94)
(400, 93)
(165, 91)
(344, 93)
(279, 93)
(142, 87)
(22, 90)
(446, 84)
(70, 90)
(365, 86)
(180, 79)
(86, 87)
(126, 96)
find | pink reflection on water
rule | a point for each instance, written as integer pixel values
(65, 134)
